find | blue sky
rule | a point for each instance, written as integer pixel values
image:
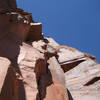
(74, 23)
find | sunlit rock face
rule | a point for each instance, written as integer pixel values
(37, 67)
(82, 72)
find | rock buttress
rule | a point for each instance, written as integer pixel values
(41, 68)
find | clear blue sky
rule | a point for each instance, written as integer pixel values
(74, 23)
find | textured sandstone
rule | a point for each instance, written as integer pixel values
(82, 72)
(40, 68)
(4, 65)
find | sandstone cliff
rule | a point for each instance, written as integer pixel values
(34, 67)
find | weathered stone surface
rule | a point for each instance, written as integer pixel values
(52, 42)
(4, 65)
(9, 25)
(10, 46)
(7, 5)
(10, 87)
(56, 71)
(56, 91)
(27, 60)
(40, 45)
(52, 82)
(41, 68)
(82, 78)
(35, 32)
(58, 79)
(26, 16)
(82, 72)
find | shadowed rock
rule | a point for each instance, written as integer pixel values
(4, 65)
(7, 6)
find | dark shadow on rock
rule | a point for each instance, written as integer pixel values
(21, 91)
(8, 88)
(12, 89)
(92, 81)
(45, 40)
(44, 78)
(69, 95)
(10, 48)
(69, 66)
(44, 82)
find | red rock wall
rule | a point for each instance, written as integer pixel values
(7, 5)
(10, 87)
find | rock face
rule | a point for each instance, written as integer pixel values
(5, 63)
(82, 72)
(7, 5)
(34, 67)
